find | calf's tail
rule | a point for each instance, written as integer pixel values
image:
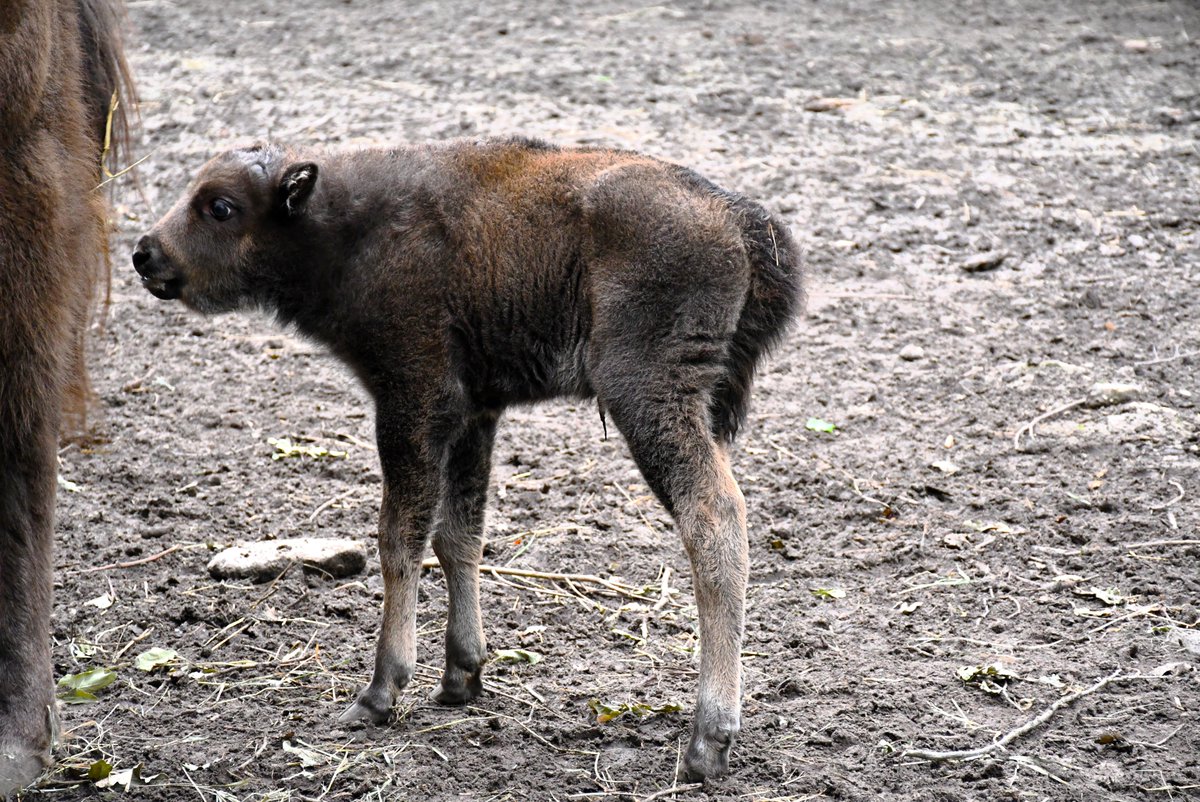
(775, 297)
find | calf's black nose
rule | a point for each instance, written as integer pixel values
(143, 256)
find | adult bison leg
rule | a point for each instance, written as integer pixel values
(409, 497)
(29, 400)
(458, 543)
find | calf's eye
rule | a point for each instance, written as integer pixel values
(220, 209)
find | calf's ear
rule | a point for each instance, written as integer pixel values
(296, 186)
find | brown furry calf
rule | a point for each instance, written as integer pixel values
(458, 279)
(60, 63)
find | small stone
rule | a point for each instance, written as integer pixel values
(266, 559)
(984, 261)
(1104, 394)
(912, 352)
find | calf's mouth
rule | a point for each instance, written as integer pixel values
(158, 278)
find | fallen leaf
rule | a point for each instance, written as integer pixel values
(79, 688)
(606, 712)
(518, 656)
(153, 658)
(101, 602)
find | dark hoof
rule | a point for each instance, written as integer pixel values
(707, 755)
(19, 767)
(364, 709)
(460, 692)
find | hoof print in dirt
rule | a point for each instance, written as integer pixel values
(268, 559)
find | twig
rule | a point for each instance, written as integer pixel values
(1012, 735)
(125, 648)
(142, 561)
(630, 499)
(672, 791)
(616, 587)
(330, 503)
(665, 588)
(1078, 402)
(1175, 500)
(1160, 360)
(1149, 543)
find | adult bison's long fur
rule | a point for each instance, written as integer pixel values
(61, 65)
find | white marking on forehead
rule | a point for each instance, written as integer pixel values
(255, 158)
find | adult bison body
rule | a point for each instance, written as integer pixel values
(461, 278)
(60, 68)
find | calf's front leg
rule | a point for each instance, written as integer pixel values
(409, 497)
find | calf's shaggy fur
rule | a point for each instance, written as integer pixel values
(458, 279)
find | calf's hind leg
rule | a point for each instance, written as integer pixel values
(458, 543)
(671, 442)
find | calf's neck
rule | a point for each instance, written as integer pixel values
(457, 279)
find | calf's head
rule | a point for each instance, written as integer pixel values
(236, 221)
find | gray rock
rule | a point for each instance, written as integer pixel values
(1103, 394)
(984, 261)
(266, 559)
(912, 352)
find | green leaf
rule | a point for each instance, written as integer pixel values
(99, 770)
(828, 593)
(79, 688)
(153, 658)
(818, 425)
(518, 656)
(606, 712)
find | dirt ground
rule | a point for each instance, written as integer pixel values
(980, 503)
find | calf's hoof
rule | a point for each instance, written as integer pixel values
(367, 708)
(19, 766)
(707, 754)
(458, 687)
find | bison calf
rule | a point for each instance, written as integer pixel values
(458, 279)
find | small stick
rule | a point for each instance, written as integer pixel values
(672, 791)
(142, 561)
(615, 587)
(125, 648)
(1161, 360)
(665, 588)
(330, 503)
(1175, 500)
(640, 513)
(1012, 735)
(1148, 543)
(1078, 402)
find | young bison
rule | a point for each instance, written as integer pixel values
(459, 279)
(60, 65)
